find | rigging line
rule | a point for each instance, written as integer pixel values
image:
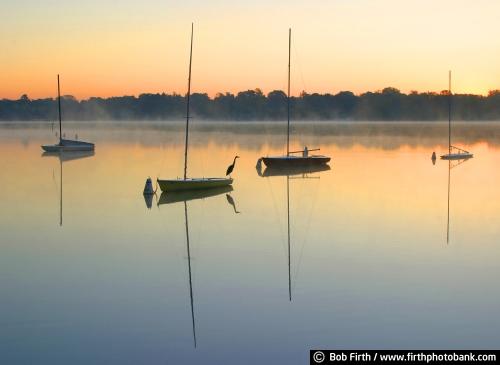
(288, 94)
(299, 64)
(59, 108)
(449, 111)
(187, 104)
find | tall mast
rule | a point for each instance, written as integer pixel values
(59, 106)
(449, 111)
(187, 106)
(288, 94)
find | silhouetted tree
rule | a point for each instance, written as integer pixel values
(387, 104)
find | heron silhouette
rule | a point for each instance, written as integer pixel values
(231, 167)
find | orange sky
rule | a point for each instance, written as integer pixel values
(101, 49)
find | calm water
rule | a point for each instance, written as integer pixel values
(103, 279)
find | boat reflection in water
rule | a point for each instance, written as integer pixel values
(187, 195)
(148, 199)
(184, 196)
(292, 172)
(66, 157)
(451, 164)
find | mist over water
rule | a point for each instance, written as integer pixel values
(98, 277)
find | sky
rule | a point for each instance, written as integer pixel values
(107, 48)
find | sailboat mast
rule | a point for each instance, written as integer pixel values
(187, 106)
(288, 94)
(449, 111)
(59, 106)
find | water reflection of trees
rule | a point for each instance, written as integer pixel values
(256, 135)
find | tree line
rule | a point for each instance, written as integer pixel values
(388, 104)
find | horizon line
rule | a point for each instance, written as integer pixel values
(217, 94)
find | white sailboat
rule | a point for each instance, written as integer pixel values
(454, 153)
(66, 145)
(293, 158)
(191, 183)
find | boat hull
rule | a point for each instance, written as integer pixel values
(66, 145)
(295, 161)
(167, 185)
(457, 156)
(187, 195)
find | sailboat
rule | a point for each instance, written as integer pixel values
(454, 153)
(66, 145)
(303, 158)
(64, 158)
(191, 183)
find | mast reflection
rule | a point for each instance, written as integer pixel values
(184, 197)
(451, 164)
(66, 157)
(301, 172)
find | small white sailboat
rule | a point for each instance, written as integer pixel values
(66, 145)
(291, 160)
(191, 183)
(454, 153)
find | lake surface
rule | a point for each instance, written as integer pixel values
(100, 278)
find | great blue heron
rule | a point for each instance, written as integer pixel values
(231, 167)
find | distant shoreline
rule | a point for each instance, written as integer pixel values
(388, 104)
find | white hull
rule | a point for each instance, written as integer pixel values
(167, 185)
